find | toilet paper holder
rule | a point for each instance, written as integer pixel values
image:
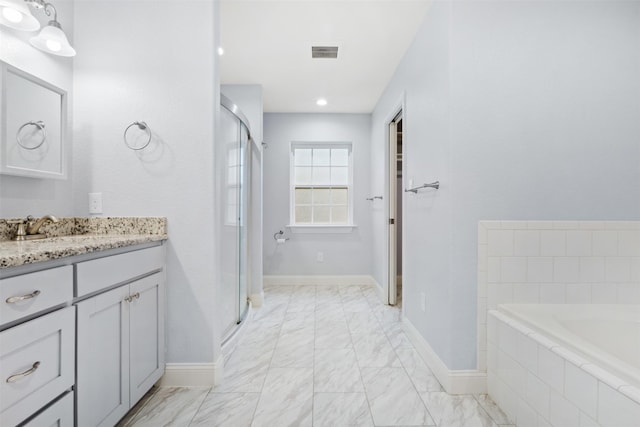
(279, 237)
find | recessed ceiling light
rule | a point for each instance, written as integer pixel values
(220, 51)
(321, 102)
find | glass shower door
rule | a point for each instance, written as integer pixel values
(243, 217)
(232, 153)
(229, 252)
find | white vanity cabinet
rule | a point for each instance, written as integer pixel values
(37, 346)
(120, 346)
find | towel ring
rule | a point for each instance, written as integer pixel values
(142, 126)
(40, 126)
(279, 235)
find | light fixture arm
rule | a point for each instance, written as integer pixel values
(41, 4)
(48, 6)
(51, 38)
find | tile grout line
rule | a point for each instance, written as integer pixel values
(411, 378)
(366, 395)
(200, 406)
(486, 411)
(272, 356)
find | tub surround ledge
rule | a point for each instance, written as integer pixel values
(538, 381)
(77, 236)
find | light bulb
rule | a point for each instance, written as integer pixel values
(54, 46)
(321, 102)
(12, 15)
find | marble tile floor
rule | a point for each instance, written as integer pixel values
(319, 356)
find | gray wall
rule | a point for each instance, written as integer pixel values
(344, 254)
(523, 110)
(21, 196)
(161, 69)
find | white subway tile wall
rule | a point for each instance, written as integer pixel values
(544, 384)
(556, 262)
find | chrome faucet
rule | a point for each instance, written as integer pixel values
(33, 226)
(29, 228)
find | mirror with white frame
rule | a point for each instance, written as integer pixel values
(32, 125)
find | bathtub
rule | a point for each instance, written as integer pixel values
(564, 364)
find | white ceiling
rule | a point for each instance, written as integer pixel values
(269, 43)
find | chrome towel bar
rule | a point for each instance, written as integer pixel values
(414, 190)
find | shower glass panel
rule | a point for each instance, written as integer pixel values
(243, 217)
(234, 179)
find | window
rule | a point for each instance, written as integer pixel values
(321, 184)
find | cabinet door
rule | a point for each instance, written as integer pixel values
(146, 326)
(102, 383)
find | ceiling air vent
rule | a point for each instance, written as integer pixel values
(324, 52)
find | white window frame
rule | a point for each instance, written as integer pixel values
(320, 228)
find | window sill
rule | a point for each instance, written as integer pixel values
(322, 229)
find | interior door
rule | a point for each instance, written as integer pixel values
(391, 185)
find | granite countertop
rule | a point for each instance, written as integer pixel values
(108, 233)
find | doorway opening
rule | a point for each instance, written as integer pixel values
(395, 210)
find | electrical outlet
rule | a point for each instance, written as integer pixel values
(95, 203)
(423, 301)
(320, 257)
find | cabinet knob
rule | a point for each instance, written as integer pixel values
(130, 298)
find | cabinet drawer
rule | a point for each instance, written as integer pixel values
(36, 364)
(101, 273)
(60, 414)
(34, 292)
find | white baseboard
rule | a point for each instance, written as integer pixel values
(257, 299)
(193, 374)
(454, 382)
(319, 280)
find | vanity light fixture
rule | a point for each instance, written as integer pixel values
(51, 38)
(16, 14)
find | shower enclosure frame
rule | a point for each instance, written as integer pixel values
(235, 214)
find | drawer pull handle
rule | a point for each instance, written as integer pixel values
(13, 300)
(21, 375)
(136, 295)
(128, 298)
